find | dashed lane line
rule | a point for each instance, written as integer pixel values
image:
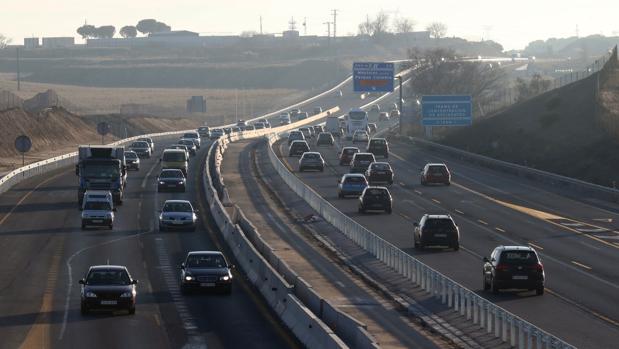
(581, 265)
(499, 229)
(536, 246)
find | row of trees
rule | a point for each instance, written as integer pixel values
(4, 41)
(381, 25)
(145, 26)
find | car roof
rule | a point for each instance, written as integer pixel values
(436, 164)
(380, 163)
(204, 253)
(97, 192)
(350, 148)
(353, 175)
(103, 267)
(311, 152)
(130, 151)
(381, 139)
(438, 216)
(170, 170)
(177, 202)
(298, 141)
(376, 187)
(174, 151)
(363, 154)
(516, 248)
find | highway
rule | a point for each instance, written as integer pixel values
(577, 239)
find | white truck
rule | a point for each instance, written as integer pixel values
(332, 126)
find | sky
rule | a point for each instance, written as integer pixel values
(513, 23)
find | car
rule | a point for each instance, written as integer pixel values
(297, 148)
(235, 129)
(375, 199)
(193, 150)
(203, 270)
(295, 136)
(372, 128)
(194, 136)
(175, 159)
(241, 123)
(375, 108)
(513, 267)
(181, 147)
(436, 230)
(142, 148)
(311, 160)
(108, 287)
(342, 124)
(133, 160)
(360, 136)
(379, 172)
(351, 184)
(171, 179)
(394, 114)
(284, 119)
(383, 116)
(217, 133)
(435, 174)
(177, 214)
(250, 128)
(394, 106)
(346, 155)
(307, 133)
(204, 131)
(378, 146)
(259, 126)
(318, 129)
(317, 110)
(150, 142)
(227, 130)
(294, 112)
(338, 94)
(302, 116)
(325, 138)
(266, 122)
(97, 209)
(360, 162)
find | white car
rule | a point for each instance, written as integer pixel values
(360, 136)
(177, 214)
(97, 209)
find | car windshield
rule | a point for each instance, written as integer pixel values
(376, 192)
(108, 277)
(139, 145)
(190, 135)
(437, 169)
(378, 142)
(439, 223)
(381, 167)
(206, 261)
(311, 156)
(350, 151)
(131, 155)
(364, 157)
(355, 180)
(518, 257)
(177, 207)
(97, 205)
(171, 174)
(148, 141)
(100, 171)
(173, 156)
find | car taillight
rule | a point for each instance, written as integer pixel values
(501, 267)
(538, 267)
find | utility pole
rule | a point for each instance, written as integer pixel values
(18, 70)
(334, 23)
(260, 25)
(304, 25)
(328, 29)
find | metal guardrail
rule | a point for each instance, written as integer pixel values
(481, 312)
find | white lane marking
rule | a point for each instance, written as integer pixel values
(536, 246)
(341, 284)
(143, 185)
(460, 212)
(581, 265)
(482, 222)
(589, 245)
(500, 229)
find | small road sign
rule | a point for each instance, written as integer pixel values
(23, 144)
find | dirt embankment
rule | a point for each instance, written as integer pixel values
(55, 131)
(562, 131)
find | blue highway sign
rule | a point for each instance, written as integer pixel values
(447, 110)
(373, 77)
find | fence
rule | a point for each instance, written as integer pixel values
(481, 312)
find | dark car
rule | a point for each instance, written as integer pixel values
(204, 131)
(379, 172)
(360, 162)
(133, 160)
(227, 130)
(190, 145)
(346, 155)
(383, 116)
(142, 148)
(375, 199)
(108, 287)
(372, 128)
(295, 136)
(436, 230)
(435, 174)
(171, 179)
(177, 214)
(204, 270)
(258, 125)
(378, 146)
(311, 161)
(297, 148)
(514, 267)
(318, 129)
(325, 138)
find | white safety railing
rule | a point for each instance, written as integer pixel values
(481, 312)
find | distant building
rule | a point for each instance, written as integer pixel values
(290, 34)
(31, 43)
(174, 33)
(62, 42)
(196, 104)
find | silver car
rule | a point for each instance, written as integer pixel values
(311, 160)
(177, 214)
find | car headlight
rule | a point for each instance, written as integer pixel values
(85, 215)
(91, 295)
(225, 278)
(188, 277)
(110, 215)
(181, 182)
(161, 182)
(126, 295)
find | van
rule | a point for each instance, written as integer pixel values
(378, 146)
(97, 209)
(333, 126)
(174, 158)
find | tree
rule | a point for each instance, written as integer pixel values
(87, 31)
(105, 32)
(365, 28)
(404, 25)
(535, 86)
(4, 41)
(437, 30)
(380, 25)
(149, 26)
(128, 31)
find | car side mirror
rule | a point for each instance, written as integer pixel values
(232, 266)
(182, 266)
(134, 282)
(82, 282)
(415, 224)
(486, 260)
(114, 209)
(195, 211)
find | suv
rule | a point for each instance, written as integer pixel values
(375, 198)
(317, 110)
(217, 133)
(175, 158)
(97, 209)
(346, 155)
(438, 230)
(295, 136)
(204, 131)
(191, 145)
(302, 115)
(311, 160)
(150, 143)
(325, 138)
(171, 179)
(297, 148)
(379, 172)
(435, 174)
(372, 128)
(514, 267)
(194, 136)
(307, 132)
(360, 162)
(378, 146)
(206, 270)
(351, 184)
(318, 129)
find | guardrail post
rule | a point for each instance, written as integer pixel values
(456, 292)
(427, 277)
(512, 331)
(482, 313)
(462, 301)
(497, 322)
(467, 304)
(520, 334)
(503, 326)
(475, 309)
(529, 337)
(443, 290)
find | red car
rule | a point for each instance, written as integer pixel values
(346, 155)
(435, 174)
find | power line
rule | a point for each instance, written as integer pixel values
(334, 11)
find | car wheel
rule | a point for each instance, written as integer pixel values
(539, 291)
(361, 210)
(111, 226)
(389, 210)
(456, 246)
(340, 195)
(322, 169)
(84, 309)
(161, 227)
(448, 183)
(83, 226)
(494, 287)
(131, 310)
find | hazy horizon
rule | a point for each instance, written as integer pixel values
(523, 22)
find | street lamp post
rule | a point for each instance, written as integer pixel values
(400, 104)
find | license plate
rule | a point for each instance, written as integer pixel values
(177, 222)
(440, 235)
(172, 185)
(109, 302)
(381, 172)
(520, 277)
(207, 284)
(97, 221)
